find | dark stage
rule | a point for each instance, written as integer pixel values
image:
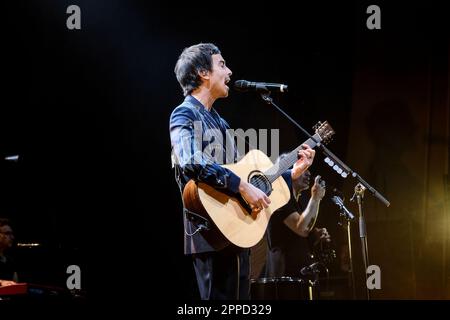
(87, 111)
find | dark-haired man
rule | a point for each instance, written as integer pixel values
(203, 75)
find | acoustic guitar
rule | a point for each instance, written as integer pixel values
(232, 218)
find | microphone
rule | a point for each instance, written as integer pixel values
(340, 203)
(311, 269)
(243, 85)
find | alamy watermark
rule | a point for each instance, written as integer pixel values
(74, 279)
(374, 20)
(74, 20)
(374, 279)
(199, 145)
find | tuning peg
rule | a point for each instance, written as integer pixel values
(329, 161)
(318, 125)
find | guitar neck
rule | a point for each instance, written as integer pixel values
(288, 161)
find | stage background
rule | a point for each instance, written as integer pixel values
(88, 110)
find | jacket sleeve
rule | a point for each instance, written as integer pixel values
(186, 139)
(291, 206)
(287, 177)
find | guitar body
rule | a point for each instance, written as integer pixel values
(233, 219)
(231, 216)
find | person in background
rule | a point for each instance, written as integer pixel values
(8, 273)
(291, 235)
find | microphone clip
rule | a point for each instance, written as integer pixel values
(266, 97)
(311, 270)
(343, 210)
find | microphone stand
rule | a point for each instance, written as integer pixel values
(314, 273)
(334, 159)
(350, 258)
(359, 194)
(343, 212)
(341, 167)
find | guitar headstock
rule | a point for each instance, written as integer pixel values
(324, 130)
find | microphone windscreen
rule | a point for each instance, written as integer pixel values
(241, 85)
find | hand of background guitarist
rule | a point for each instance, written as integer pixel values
(321, 235)
(254, 197)
(305, 160)
(318, 189)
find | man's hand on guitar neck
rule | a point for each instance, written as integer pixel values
(305, 160)
(257, 199)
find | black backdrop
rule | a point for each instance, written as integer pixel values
(87, 111)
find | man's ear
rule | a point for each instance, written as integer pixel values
(204, 74)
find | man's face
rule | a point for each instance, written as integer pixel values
(219, 77)
(6, 237)
(303, 181)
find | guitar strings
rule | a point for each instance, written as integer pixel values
(291, 157)
(259, 183)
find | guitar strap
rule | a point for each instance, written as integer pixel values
(196, 219)
(201, 222)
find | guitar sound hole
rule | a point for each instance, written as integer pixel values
(260, 181)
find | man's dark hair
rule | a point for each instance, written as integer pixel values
(193, 60)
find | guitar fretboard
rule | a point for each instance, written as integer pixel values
(286, 162)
